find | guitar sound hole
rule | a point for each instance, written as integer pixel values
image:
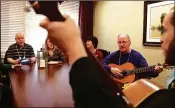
(124, 73)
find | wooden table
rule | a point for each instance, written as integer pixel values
(47, 87)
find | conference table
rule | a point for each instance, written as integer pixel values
(41, 87)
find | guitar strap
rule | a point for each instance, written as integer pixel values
(171, 80)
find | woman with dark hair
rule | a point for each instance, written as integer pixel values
(91, 44)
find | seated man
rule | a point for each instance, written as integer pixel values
(168, 45)
(166, 98)
(91, 44)
(126, 54)
(20, 50)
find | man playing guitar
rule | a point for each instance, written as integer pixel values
(124, 55)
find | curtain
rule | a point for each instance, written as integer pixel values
(86, 18)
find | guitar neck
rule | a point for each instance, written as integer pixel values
(143, 69)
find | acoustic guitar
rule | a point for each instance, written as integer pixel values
(128, 72)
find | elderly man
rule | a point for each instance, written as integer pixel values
(126, 54)
(20, 50)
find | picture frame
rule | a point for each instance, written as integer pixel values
(154, 12)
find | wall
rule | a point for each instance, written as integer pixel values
(114, 17)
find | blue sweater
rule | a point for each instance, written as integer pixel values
(134, 57)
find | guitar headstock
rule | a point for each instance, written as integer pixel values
(166, 66)
(47, 8)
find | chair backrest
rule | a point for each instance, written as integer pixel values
(104, 52)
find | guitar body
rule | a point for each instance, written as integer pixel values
(125, 66)
(141, 90)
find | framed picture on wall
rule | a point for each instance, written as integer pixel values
(154, 12)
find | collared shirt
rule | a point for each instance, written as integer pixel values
(15, 51)
(171, 80)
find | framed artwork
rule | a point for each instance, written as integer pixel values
(154, 13)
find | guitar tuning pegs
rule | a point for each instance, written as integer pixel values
(34, 4)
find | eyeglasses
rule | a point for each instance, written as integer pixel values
(122, 42)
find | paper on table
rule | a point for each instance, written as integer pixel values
(55, 62)
(42, 63)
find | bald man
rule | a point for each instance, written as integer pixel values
(126, 54)
(20, 50)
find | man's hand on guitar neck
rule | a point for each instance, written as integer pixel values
(116, 72)
(158, 68)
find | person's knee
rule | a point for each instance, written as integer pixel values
(6, 97)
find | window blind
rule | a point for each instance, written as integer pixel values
(36, 35)
(12, 21)
(70, 8)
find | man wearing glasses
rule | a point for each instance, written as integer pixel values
(126, 54)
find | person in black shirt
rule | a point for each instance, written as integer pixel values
(6, 96)
(91, 85)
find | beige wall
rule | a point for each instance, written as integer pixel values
(114, 17)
